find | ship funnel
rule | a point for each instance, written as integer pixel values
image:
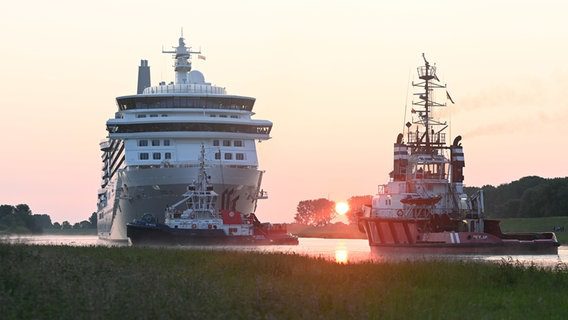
(143, 76)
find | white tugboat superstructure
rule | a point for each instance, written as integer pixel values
(152, 150)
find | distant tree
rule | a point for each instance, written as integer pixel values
(93, 220)
(6, 210)
(84, 224)
(65, 225)
(43, 221)
(356, 204)
(56, 225)
(318, 212)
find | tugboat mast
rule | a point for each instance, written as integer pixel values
(431, 82)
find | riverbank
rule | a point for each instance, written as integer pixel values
(145, 283)
(546, 224)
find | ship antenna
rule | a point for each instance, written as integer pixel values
(427, 73)
(202, 178)
(182, 55)
(406, 101)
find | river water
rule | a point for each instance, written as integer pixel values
(338, 250)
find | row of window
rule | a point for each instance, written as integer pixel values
(227, 143)
(155, 156)
(168, 156)
(234, 116)
(229, 156)
(154, 142)
(150, 115)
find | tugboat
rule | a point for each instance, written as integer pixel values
(195, 220)
(423, 208)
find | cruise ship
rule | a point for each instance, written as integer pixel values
(152, 150)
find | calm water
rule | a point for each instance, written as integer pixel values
(339, 250)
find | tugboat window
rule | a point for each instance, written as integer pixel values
(226, 143)
(155, 143)
(240, 156)
(168, 155)
(228, 156)
(217, 155)
(144, 156)
(215, 143)
(238, 143)
(142, 143)
(157, 156)
(166, 142)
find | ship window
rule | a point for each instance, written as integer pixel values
(164, 115)
(217, 155)
(215, 143)
(228, 156)
(140, 116)
(156, 156)
(144, 156)
(166, 142)
(240, 156)
(226, 143)
(153, 116)
(155, 143)
(238, 143)
(222, 116)
(142, 143)
(213, 115)
(234, 116)
(167, 155)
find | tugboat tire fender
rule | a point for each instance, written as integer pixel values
(399, 212)
(193, 226)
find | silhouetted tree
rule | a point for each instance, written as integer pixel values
(93, 220)
(318, 212)
(356, 207)
(65, 225)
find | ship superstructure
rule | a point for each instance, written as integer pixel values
(424, 207)
(153, 146)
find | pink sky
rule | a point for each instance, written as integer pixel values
(331, 75)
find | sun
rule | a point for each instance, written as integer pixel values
(341, 208)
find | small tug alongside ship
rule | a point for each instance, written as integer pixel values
(196, 220)
(423, 208)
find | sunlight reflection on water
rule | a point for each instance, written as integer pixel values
(338, 250)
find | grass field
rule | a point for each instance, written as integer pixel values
(537, 225)
(43, 282)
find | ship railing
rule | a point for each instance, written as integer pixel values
(436, 137)
(185, 88)
(184, 165)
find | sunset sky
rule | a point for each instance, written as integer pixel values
(331, 75)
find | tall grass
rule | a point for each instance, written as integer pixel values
(51, 282)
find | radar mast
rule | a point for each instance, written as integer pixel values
(182, 55)
(428, 140)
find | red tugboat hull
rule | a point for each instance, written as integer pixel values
(406, 236)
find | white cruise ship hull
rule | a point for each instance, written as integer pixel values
(141, 191)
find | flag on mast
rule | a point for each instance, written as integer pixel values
(449, 97)
(202, 57)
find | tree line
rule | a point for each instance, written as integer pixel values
(528, 197)
(21, 219)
